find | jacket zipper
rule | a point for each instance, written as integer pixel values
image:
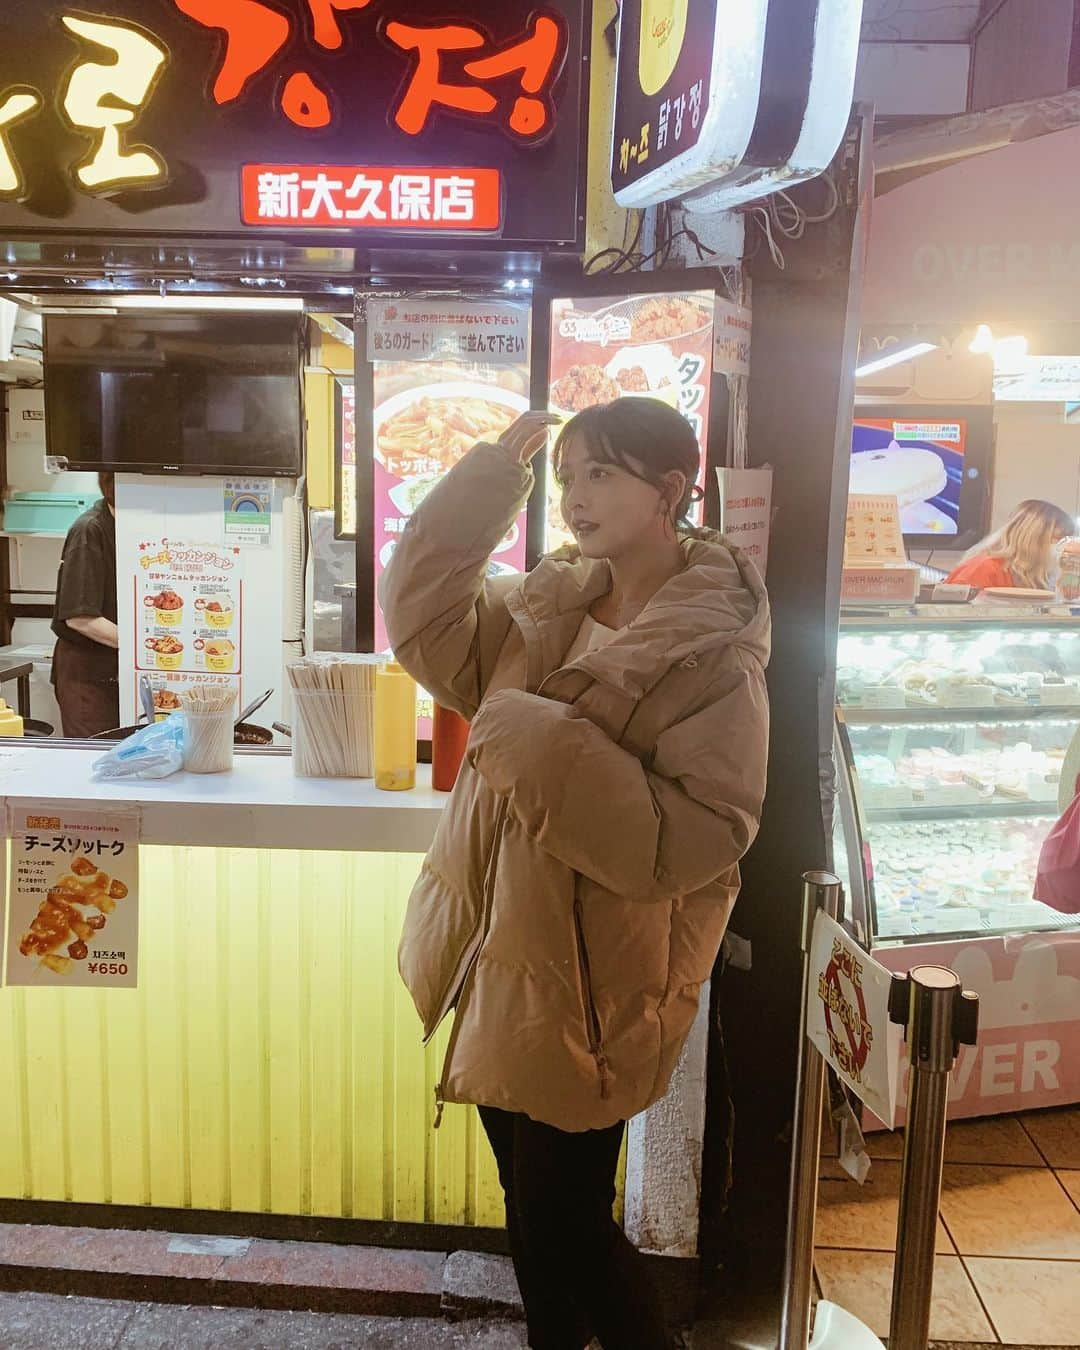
(592, 1017)
(472, 952)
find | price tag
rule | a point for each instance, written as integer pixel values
(884, 696)
(952, 694)
(949, 794)
(887, 797)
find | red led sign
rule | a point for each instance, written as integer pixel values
(352, 196)
(255, 34)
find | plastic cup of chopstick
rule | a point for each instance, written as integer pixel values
(208, 731)
(333, 702)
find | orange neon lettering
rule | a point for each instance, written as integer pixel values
(304, 103)
(426, 88)
(324, 14)
(535, 57)
(254, 34)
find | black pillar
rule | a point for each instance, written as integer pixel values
(804, 348)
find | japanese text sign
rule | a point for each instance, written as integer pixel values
(225, 115)
(420, 330)
(364, 197)
(746, 511)
(73, 917)
(847, 1017)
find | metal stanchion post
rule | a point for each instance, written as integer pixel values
(821, 892)
(939, 1017)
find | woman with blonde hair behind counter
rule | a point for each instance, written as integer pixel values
(1021, 554)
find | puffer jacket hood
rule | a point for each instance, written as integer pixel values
(581, 878)
(719, 600)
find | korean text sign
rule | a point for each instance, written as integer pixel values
(847, 1017)
(73, 916)
(231, 115)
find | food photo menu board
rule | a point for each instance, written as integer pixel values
(446, 374)
(189, 608)
(606, 347)
(198, 602)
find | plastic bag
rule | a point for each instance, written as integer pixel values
(1058, 880)
(154, 752)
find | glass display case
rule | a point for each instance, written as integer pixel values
(951, 732)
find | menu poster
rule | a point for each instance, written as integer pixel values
(189, 617)
(73, 917)
(603, 348)
(430, 411)
(873, 531)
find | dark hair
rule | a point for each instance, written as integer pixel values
(645, 437)
(107, 484)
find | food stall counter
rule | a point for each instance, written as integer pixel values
(261, 803)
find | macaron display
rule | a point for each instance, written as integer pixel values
(952, 876)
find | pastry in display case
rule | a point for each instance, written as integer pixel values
(951, 736)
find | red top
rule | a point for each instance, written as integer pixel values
(983, 571)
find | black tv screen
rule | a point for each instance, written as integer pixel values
(199, 393)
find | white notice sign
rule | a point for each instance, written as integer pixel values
(847, 1017)
(746, 511)
(732, 327)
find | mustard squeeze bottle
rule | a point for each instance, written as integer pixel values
(395, 729)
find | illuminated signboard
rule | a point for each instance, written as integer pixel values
(314, 117)
(729, 98)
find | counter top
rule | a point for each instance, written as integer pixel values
(259, 804)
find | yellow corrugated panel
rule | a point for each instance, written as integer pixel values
(269, 1061)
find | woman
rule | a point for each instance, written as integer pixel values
(581, 878)
(1020, 554)
(85, 658)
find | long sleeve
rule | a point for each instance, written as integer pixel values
(445, 618)
(642, 833)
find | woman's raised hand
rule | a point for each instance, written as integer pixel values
(526, 437)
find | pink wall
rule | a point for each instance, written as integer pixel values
(994, 239)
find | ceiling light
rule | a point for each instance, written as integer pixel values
(895, 358)
(277, 302)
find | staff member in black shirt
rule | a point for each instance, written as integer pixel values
(85, 660)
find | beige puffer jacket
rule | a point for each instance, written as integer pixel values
(582, 875)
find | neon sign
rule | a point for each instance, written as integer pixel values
(256, 34)
(101, 96)
(358, 197)
(223, 115)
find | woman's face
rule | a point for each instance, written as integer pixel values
(609, 510)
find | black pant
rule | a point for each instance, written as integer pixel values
(578, 1272)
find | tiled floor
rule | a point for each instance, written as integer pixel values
(1008, 1237)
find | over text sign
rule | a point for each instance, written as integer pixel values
(847, 1017)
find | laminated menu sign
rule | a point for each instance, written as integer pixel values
(429, 413)
(73, 912)
(189, 617)
(847, 1017)
(606, 347)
